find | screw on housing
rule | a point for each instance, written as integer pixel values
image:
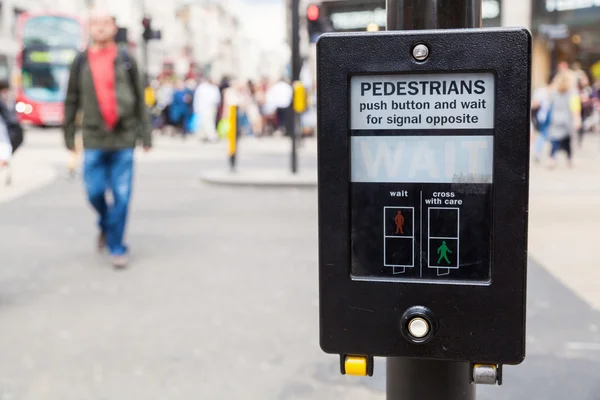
(420, 52)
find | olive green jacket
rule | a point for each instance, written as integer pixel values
(133, 126)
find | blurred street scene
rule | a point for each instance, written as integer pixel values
(219, 299)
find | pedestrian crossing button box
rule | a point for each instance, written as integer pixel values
(423, 194)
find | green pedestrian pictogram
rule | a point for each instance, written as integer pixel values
(443, 251)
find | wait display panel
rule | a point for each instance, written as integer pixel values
(421, 162)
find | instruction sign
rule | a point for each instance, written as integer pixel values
(421, 172)
(423, 101)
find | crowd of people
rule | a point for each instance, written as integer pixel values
(189, 107)
(565, 111)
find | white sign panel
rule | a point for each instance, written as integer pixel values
(422, 159)
(424, 101)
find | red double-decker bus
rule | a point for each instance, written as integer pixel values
(49, 43)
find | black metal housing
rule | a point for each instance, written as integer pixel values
(479, 323)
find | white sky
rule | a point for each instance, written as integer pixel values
(264, 21)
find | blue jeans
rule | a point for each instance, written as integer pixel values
(540, 142)
(103, 170)
(561, 144)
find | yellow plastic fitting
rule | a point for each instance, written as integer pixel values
(356, 365)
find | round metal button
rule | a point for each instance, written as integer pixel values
(418, 328)
(418, 324)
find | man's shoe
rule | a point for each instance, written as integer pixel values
(120, 262)
(101, 241)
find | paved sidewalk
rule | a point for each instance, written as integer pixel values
(261, 177)
(33, 166)
(564, 223)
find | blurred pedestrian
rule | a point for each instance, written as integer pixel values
(5, 145)
(578, 73)
(587, 105)
(190, 124)
(565, 70)
(164, 99)
(231, 97)
(11, 131)
(253, 109)
(206, 105)
(180, 111)
(541, 114)
(105, 83)
(269, 119)
(593, 122)
(245, 105)
(152, 102)
(6, 95)
(566, 117)
(223, 86)
(278, 100)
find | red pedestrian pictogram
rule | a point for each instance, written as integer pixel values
(399, 220)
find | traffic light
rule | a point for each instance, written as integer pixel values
(315, 22)
(149, 33)
(147, 24)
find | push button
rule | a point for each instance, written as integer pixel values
(418, 324)
(418, 328)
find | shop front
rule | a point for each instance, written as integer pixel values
(565, 30)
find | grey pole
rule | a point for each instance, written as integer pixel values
(413, 379)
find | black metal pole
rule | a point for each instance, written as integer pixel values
(433, 14)
(145, 62)
(413, 379)
(293, 116)
(146, 76)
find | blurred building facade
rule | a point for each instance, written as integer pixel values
(562, 30)
(566, 30)
(197, 37)
(214, 36)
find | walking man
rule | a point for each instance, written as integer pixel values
(105, 84)
(443, 251)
